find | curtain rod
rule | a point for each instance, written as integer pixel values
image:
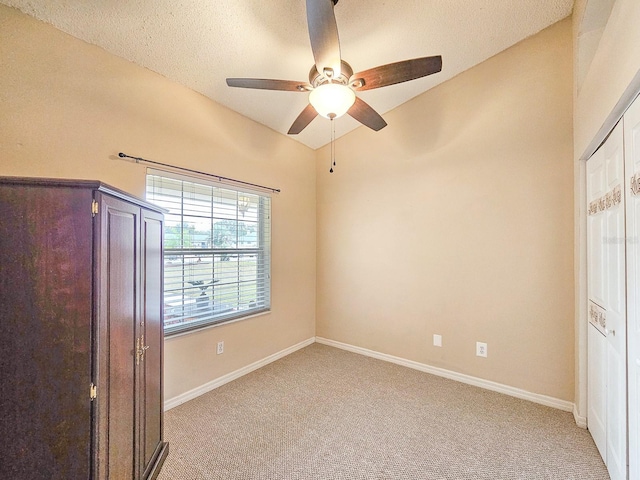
(138, 159)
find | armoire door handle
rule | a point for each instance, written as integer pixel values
(140, 349)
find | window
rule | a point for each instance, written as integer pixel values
(216, 250)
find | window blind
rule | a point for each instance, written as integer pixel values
(217, 255)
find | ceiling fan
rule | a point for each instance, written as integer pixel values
(332, 83)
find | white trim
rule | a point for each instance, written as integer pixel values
(460, 377)
(171, 336)
(218, 382)
(627, 98)
(581, 420)
(580, 277)
(441, 372)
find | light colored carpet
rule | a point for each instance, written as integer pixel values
(323, 413)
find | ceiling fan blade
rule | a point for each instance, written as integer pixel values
(393, 73)
(266, 84)
(304, 119)
(366, 115)
(323, 33)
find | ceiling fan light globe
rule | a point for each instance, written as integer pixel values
(332, 99)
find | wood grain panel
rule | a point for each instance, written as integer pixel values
(45, 332)
(117, 319)
(152, 327)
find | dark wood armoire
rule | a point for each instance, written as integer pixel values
(81, 333)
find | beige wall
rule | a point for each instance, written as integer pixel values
(67, 108)
(457, 219)
(614, 66)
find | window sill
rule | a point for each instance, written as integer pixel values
(172, 335)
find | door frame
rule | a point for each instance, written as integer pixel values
(580, 248)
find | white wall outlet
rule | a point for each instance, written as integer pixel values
(437, 340)
(481, 349)
(220, 348)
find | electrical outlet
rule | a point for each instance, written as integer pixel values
(220, 348)
(481, 349)
(437, 340)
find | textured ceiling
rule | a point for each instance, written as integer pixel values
(199, 43)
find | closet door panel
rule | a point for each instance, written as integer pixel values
(607, 401)
(596, 190)
(597, 293)
(597, 387)
(632, 163)
(614, 243)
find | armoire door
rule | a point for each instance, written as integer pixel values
(632, 162)
(607, 410)
(152, 337)
(117, 275)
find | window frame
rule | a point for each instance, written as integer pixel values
(219, 256)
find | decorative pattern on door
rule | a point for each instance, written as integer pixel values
(598, 317)
(609, 200)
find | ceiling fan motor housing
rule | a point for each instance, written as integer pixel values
(316, 78)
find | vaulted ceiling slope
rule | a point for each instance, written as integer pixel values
(199, 43)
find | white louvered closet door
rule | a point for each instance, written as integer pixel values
(632, 167)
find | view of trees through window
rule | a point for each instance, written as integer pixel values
(216, 251)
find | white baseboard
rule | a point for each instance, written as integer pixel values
(460, 377)
(441, 372)
(218, 382)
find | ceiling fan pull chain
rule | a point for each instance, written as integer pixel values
(333, 139)
(332, 160)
